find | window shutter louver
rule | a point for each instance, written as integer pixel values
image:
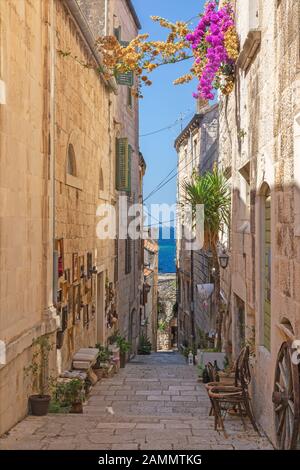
(123, 165)
(125, 78)
(129, 167)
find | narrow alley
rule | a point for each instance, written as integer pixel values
(154, 403)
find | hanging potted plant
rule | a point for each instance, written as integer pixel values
(39, 372)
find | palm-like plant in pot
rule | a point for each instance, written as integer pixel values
(38, 370)
(212, 191)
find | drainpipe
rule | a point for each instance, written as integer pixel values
(106, 29)
(52, 142)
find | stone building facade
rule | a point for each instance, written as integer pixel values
(59, 165)
(197, 148)
(259, 148)
(150, 291)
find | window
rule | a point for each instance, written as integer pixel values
(117, 33)
(266, 280)
(245, 191)
(129, 97)
(195, 148)
(101, 180)
(71, 163)
(123, 165)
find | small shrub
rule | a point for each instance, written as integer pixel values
(145, 345)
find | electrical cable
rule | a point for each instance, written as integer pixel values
(160, 186)
(178, 120)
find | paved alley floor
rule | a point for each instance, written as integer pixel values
(154, 403)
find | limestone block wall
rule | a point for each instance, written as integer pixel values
(129, 285)
(257, 126)
(25, 197)
(84, 120)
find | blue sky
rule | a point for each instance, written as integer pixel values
(163, 102)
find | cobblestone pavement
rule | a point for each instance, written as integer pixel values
(154, 403)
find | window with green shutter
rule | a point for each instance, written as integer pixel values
(123, 165)
(267, 272)
(125, 78)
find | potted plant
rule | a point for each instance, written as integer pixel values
(75, 395)
(102, 362)
(124, 347)
(39, 371)
(144, 345)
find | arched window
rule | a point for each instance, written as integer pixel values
(267, 268)
(101, 180)
(71, 161)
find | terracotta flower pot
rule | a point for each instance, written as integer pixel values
(76, 407)
(99, 373)
(39, 404)
(122, 360)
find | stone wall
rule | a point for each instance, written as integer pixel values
(84, 119)
(54, 104)
(25, 255)
(197, 148)
(166, 303)
(129, 285)
(257, 129)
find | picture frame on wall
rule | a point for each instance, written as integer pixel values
(59, 246)
(64, 288)
(59, 296)
(89, 264)
(64, 318)
(67, 276)
(76, 304)
(93, 288)
(75, 267)
(85, 315)
(81, 266)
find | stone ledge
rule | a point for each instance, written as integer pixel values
(74, 181)
(249, 49)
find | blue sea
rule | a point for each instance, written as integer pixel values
(167, 251)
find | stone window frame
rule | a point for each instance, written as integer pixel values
(244, 175)
(72, 179)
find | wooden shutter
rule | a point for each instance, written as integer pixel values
(267, 273)
(122, 164)
(125, 78)
(129, 167)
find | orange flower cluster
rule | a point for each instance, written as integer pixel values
(231, 42)
(142, 56)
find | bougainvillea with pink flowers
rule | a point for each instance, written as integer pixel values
(215, 46)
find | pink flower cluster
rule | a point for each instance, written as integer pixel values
(207, 41)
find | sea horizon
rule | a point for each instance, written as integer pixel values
(167, 251)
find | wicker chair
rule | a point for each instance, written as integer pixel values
(233, 397)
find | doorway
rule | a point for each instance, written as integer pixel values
(100, 336)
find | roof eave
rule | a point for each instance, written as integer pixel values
(134, 14)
